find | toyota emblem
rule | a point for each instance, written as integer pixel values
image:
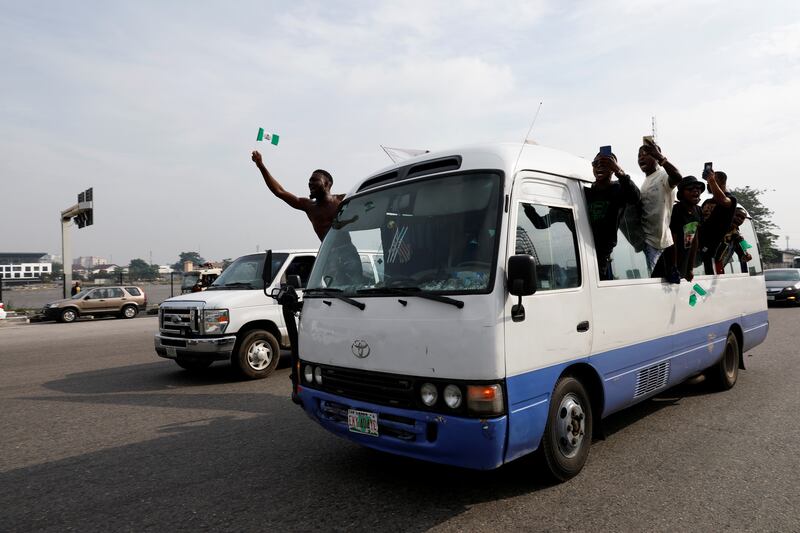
(360, 348)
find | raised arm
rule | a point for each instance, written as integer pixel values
(673, 173)
(277, 189)
(630, 192)
(720, 198)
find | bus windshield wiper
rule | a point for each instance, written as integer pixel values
(334, 293)
(412, 291)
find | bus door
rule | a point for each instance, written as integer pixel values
(557, 327)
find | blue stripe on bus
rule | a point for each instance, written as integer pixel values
(688, 353)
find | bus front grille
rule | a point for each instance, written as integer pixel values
(383, 389)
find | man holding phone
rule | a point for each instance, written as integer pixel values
(606, 201)
(661, 178)
(718, 222)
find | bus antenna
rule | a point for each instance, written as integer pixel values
(527, 135)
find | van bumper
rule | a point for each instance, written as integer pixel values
(208, 349)
(465, 442)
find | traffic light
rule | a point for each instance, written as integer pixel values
(85, 217)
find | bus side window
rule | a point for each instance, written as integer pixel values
(548, 235)
(627, 259)
(754, 266)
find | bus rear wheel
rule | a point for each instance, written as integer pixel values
(568, 433)
(724, 374)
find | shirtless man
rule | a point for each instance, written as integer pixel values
(320, 207)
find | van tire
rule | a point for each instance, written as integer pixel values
(68, 315)
(256, 355)
(568, 432)
(723, 375)
(192, 365)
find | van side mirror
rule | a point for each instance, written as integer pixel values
(294, 281)
(266, 272)
(521, 274)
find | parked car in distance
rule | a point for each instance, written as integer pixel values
(783, 285)
(123, 301)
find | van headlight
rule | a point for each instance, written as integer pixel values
(428, 394)
(452, 396)
(215, 321)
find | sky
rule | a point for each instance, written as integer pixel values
(156, 105)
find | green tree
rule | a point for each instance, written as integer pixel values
(139, 269)
(749, 198)
(194, 257)
(57, 270)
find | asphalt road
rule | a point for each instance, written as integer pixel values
(98, 434)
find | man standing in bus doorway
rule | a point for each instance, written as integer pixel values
(320, 207)
(606, 201)
(719, 220)
(661, 177)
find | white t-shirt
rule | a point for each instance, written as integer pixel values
(657, 200)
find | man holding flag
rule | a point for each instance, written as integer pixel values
(320, 207)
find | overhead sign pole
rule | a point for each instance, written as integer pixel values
(83, 215)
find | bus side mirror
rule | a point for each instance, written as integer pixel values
(521, 275)
(294, 281)
(266, 272)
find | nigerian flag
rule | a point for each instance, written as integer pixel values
(271, 137)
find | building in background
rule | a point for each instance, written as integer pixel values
(21, 266)
(90, 261)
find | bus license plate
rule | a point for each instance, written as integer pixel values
(362, 422)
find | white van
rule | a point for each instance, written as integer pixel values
(232, 320)
(488, 334)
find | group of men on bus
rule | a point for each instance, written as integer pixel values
(675, 235)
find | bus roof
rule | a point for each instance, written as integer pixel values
(501, 156)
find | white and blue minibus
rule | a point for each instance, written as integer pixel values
(486, 333)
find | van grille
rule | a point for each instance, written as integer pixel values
(384, 389)
(651, 378)
(179, 321)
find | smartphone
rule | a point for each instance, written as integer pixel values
(605, 150)
(708, 167)
(648, 139)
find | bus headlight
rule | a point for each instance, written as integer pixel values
(452, 396)
(485, 399)
(429, 394)
(318, 375)
(308, 373)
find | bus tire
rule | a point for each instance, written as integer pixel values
(723, 375)
(568, 432)
(256, 354)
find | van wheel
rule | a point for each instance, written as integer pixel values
(257, 354)
(723, 375)
(568, 433)
(129, 311)
(68, 315)
(193, 365)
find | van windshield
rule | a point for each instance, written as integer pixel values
(245, 272)
(434, 235)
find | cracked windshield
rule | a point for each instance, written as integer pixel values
(433, 235)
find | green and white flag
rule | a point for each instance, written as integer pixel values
(273, 138)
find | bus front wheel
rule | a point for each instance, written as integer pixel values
(568, 432)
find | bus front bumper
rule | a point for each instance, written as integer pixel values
(465, 442)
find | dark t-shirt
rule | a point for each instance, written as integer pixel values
(717, 225)
(605, 208)
(684, 225)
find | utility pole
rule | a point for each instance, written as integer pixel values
(82, 214)
(787, 242)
